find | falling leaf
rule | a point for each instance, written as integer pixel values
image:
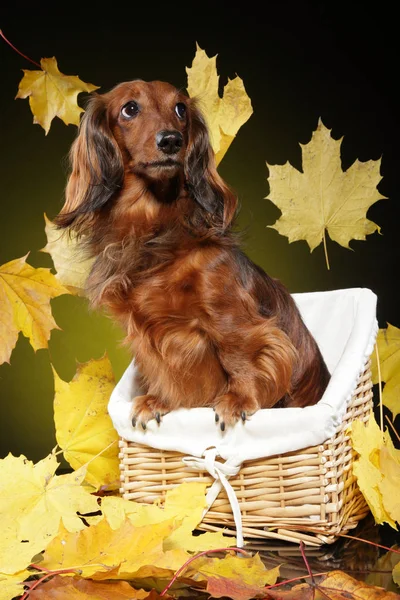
(52, 94)
(323, 198)
(388, 343)
(33, 503)
(84, 429)
(224, 116)
(98, 549)
(72, 269)
(12, 585)
(377, 469)
(25, 294)
(75, 588)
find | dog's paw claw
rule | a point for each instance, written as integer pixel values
(144, 426)
(243, 416)
(222, 426)
(133, 421)
(158, 417)
(216, 417)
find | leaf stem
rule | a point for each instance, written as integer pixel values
(18, 52)
(326, 251)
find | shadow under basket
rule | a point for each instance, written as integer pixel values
(310, 495)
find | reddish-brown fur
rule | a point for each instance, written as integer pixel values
(206, 325)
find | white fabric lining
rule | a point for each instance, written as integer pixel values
(344, 324)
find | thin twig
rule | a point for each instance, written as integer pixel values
(274, 585)
(303, 554)
(352, 537)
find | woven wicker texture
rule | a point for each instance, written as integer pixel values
(310, 495)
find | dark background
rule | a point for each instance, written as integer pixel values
(300, 61)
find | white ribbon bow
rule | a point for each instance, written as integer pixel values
(220, 472)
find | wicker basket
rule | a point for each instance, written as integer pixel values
(310, 495)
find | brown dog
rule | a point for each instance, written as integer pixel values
(207, 327)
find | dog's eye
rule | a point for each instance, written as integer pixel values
(130, 110)
(180, 110)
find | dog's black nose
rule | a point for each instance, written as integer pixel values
(169, 142)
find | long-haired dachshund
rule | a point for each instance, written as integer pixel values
(207, 327)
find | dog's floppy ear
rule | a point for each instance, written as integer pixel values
(96, 168)
(204, 183)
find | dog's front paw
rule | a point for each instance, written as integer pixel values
(230, 408)
(145, 408)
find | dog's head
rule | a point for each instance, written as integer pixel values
(148, 131)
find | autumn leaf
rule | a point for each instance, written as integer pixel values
(323, 198)
(377, 469)
(224, 116)
(185, 503)
(383, 571)
(12, 585)
(84, 429)
(221, 587)
(249, 571)
(75, 588)
(52, 94)
(388, 343)
(98, 549)
(33, 503)
(336, 585)
(396, 574)
(72, 270)
(25, 294)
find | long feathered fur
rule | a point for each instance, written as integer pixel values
(206, 325)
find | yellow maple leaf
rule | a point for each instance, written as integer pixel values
(377, 469)
(122, 553)
(52, 94)
(12, 585)
(185, 503)
(323, 198)
(250, 570)
(224, 116)
(388, 343)
(25, 294)
(33, 502)
(84, 429)
(71, 268)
